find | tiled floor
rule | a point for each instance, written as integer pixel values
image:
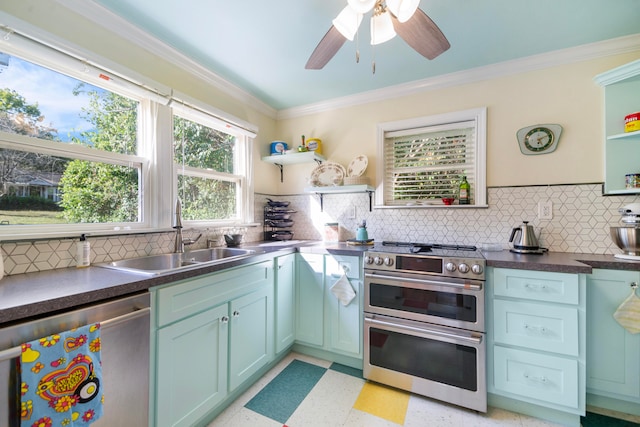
(332, 398)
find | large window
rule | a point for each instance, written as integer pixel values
(209, 177)
(423, 160)
(87, 150)
(68, 150)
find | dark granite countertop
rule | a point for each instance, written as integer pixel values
(29, 295)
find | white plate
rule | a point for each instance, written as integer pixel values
(358, 166)
(327, 174)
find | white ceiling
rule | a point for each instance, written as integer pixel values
(262, 46)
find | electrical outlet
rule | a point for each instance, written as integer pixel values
(545, 210)
(351, 212)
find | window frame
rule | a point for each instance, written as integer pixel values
(242, 166)
(476, 115)
(155, 138)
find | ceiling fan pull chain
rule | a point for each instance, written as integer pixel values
(357, 47)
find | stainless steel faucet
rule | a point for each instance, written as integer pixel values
(179, 241)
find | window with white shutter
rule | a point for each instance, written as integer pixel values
(423, 160)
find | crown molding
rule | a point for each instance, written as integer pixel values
(102, 16)
(556, 58)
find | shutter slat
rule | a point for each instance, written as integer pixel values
(428, 163)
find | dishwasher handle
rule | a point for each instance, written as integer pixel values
(16, 351)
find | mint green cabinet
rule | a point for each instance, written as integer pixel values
(211, 334)
(285, 300)
(251, 334)
(324, 326)
(191, 367)
(536, 341)
(310, 299)
(344, 322)
(613, 353)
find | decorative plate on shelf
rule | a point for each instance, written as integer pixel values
(327, 174)
(358, 165)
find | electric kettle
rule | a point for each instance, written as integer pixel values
(526, 241)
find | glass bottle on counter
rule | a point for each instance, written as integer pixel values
(465, 192)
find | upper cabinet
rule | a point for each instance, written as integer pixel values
(622, 149)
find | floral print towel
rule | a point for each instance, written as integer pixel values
(60, 379)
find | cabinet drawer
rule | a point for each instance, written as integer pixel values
(541, 327)
(542, 377)
(189, 297)
(536, 285)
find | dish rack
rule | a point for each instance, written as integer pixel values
(277, 223)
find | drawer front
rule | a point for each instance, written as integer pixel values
(536, 326)
(536, 285)
(545, 378)
(189, 297)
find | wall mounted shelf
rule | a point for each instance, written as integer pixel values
(293, 158)
(341, 189)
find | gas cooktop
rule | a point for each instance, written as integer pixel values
(435, 249)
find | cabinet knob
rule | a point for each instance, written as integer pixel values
(236, 313)
(224, 319)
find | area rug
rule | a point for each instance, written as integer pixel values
(597, 420)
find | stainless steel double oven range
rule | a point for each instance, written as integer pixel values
(424, 322)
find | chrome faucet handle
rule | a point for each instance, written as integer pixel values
(191, 241)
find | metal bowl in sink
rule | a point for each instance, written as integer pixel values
(627, 239)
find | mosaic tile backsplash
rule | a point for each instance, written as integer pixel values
(580, 224)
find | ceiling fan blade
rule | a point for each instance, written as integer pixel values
(326, 49)
(422, 34)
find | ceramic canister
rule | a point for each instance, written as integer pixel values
(278, 147)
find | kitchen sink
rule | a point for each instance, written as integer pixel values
(166, 263)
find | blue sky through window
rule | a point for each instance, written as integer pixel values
(52, 91)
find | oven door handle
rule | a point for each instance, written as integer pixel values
(471, 286)
(474, 340)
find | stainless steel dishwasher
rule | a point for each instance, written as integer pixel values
(125, 358)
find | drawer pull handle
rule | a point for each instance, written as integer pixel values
(535, 287)
(541, 379)
(534, 328)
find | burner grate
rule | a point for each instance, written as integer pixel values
(427, 247)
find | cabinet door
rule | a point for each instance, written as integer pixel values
(310, 299)
(613, 353)
(344, 322)
(251, 342)
(191, 374)
(285, 292)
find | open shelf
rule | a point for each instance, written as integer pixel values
(341, 189)
(293, 158)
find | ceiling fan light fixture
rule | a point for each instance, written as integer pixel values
(381, 28)
(361, 6)
(403, 9)
(347, 22)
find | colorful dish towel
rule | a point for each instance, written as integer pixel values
(628, 314)
(60, 377)
(343, 291)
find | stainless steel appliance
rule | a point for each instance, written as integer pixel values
(524, 240)
(424, 322)
(125, 333)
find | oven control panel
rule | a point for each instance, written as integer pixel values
(433, 265)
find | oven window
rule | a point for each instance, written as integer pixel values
(433, 303)
(438, 361)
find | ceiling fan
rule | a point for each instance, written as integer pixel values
(390, 17)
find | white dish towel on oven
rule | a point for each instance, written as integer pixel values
(628, 314)
(343, 290)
